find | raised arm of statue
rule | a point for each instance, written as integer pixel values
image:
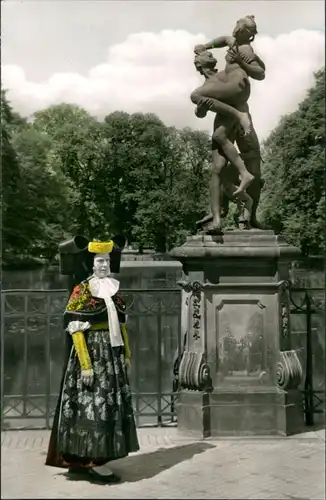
(217, 43)
(253, 69)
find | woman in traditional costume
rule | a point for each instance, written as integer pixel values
(94, 421)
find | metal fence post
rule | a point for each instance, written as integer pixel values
(48, 362)
(2, 319)
(308, 385)
(25, 360)
(159, 363)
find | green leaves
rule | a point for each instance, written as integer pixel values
(129, 174)
(68, 173)
(293, 198)
(154, 179)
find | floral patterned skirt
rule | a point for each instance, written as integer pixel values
(96, 424)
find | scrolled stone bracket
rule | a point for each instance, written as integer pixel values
(194, 373)
(289, 371)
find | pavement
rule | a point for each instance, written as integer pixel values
(171, 466)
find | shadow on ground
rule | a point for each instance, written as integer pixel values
(147, 465)
(318, 426)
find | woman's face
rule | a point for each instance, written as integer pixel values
(101, 266)
(245, 32)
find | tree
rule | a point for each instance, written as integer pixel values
(293, 199)
(46, 195)
(137, 149)
(171, 191)
(14, 231)
(53, 119)
(37, 198)
(129, 174)
(77, 153)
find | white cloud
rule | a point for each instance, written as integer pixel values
(154, 72)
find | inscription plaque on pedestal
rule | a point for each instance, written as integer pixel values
(241, 343)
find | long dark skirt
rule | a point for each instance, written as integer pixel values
(94, 425)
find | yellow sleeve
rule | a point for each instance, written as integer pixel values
(81, 350)
(125, 340)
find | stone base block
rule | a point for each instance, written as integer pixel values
(267, 412)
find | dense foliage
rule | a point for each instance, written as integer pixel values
(293, 199)
(66, 173)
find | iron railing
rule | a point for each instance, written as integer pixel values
(308, 305)
(32, 347)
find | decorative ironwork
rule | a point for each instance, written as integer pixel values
(32, 341)
(32, 344)
(154, 408)
(318, 401)
(312, 303)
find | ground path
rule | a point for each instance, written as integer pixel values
(170, 466)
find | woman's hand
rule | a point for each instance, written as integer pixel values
(128, 365)
(233, 56)
(87, 377)
(205, 103)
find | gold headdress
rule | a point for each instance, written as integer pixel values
(100, 246)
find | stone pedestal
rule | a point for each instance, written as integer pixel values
(238, 374)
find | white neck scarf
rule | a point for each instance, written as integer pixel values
(104, 288)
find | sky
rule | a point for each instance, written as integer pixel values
(137, 56)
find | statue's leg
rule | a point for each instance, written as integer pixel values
(254, 190)
(244, 203)
(227, 175)
(205, 103)
(225, 203)
(250, 151)
(215, 190)
(220, 135)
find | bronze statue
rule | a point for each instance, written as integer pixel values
(226, 93)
